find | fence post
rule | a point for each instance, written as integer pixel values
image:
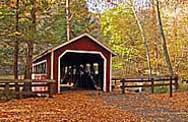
(170, 86)
(112, 84)
(123, 86)
(152, 85)
(176, 81)
(27, 88)
(6, 90)
(17, 89)
(50, 88)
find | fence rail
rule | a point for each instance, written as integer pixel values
(21, 88)
(148, 82)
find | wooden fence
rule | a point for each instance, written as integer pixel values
(153, 82)
(115, 82)
(147, 82)
(21, 88)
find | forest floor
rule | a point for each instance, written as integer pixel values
(70, 106)
(152, 107)
(93, 106)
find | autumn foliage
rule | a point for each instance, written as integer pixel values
(66, 107)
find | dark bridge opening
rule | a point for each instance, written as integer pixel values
(81, 70)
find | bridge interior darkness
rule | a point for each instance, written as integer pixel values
(81, 70)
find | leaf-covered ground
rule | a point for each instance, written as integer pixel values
(93, 106)
(67, 107)
(152, 107)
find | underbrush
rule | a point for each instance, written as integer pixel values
(183, 87)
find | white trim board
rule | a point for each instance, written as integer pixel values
(88, 52)
(110, 82)
(52, 66)
(38, 63)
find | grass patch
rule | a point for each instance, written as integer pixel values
(161, 89)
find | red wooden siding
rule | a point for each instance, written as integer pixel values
(84, 44)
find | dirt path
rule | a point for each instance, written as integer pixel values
(155, 108)
(77, 106)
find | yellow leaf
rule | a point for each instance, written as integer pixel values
(16, 33)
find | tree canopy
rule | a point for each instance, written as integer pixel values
(111, 21)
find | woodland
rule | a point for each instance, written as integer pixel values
(148, 36)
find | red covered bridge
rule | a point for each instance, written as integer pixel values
(63, 62)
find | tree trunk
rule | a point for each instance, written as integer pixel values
(30, 45)
(27, 85)
(155, 39)
(16, 43)
(67, 20)
(175, 33)
(144, 40)
(16, 50)
(29, 60)
(163, 39)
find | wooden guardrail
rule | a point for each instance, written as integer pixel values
(115, 82)
(21, 88)
(153, 82)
